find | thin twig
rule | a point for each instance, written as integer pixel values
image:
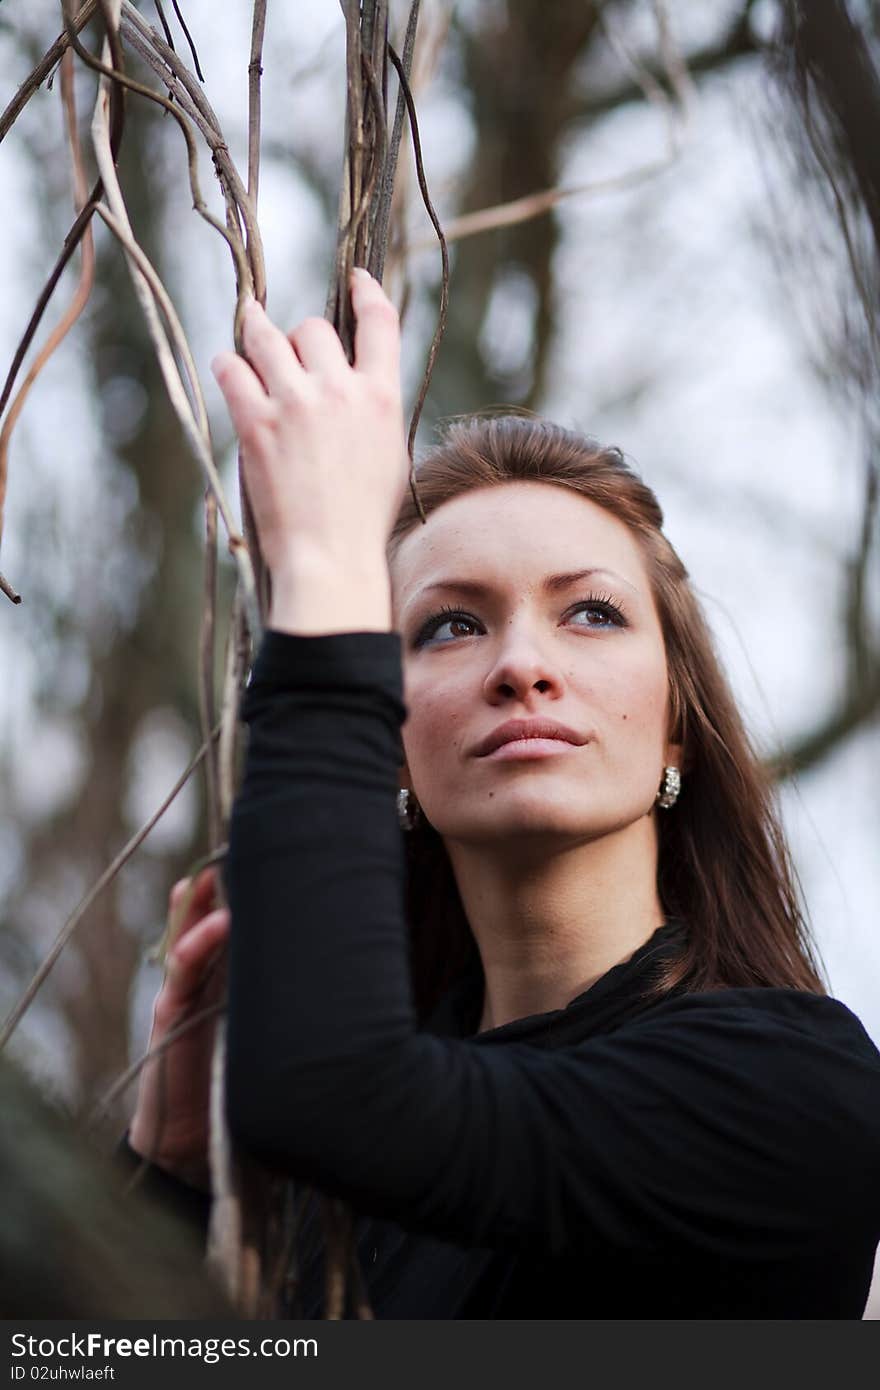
(194, 420)
(169, 39)
(225, 1226)
(8, 590)
(178, 94)
(350, 193)
(189, 38)
(206, 666)
(147, 285)
(444, 283)
(236, 664)
(378, 155)
(674, 62)
(226, 1235)
(195, 427)
(162, 58)
(165, 61)
(131, 1073)
(375, 44)
(46, 65)
(81, 294)
(255, 72)
(120, 79)
(21, 1007)
(376, 264)
(71, 241)
(536, 204)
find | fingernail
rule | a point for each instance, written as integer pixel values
(363, 276)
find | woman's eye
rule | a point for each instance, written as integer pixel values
(604, 612)
(457, 623)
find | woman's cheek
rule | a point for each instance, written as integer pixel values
(432, 738)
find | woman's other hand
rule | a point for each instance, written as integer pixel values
(324, 458)
(170, 1125)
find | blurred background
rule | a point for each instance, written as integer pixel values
(692, 300)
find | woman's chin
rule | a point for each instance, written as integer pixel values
(519, 823)
(519, 819)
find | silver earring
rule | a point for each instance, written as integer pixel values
(409, 811)
(669, 788)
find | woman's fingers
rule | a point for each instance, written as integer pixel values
(318, 348)
(276, 364)
(243, 392)
(377, 328)
(269, 351)
(189, 902)
(188, 961)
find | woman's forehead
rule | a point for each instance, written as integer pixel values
(519, 530)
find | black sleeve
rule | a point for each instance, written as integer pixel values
(190, 1204)
(714, 1120)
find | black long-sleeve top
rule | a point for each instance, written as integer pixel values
(710, 1155)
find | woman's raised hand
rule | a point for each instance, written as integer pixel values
(324, 457)
(170, 1123)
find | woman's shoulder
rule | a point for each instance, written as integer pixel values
(794, 1071)
(804, 1051)
(778, 1012)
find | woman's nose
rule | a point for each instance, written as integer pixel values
(522, 666)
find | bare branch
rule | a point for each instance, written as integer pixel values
(20, 1009)
(116, 122)
(148, 285)
(188, 36)
(71, 241)
(225, 1227)
(35, 80)
(81, 294)
(166, 30)
(376, 264)
(645, 81)
(737, 42)
(121, 80)
(133, 1072)
(175, 74)
(8, 590)
(444, 282)
(207, 713)
(255, 72)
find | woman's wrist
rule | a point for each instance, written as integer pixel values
(315, 596)
(194, 1173)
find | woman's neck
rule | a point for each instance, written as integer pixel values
(549, 923)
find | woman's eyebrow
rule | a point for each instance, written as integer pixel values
(552, 584)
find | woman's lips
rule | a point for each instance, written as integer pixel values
(529, 748)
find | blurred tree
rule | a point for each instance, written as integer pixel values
(522, 68)
(142, 659)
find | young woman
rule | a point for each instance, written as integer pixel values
(561, 1043)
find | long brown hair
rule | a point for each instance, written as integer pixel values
(724, 868)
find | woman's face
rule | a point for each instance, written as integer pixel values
(531, 636)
